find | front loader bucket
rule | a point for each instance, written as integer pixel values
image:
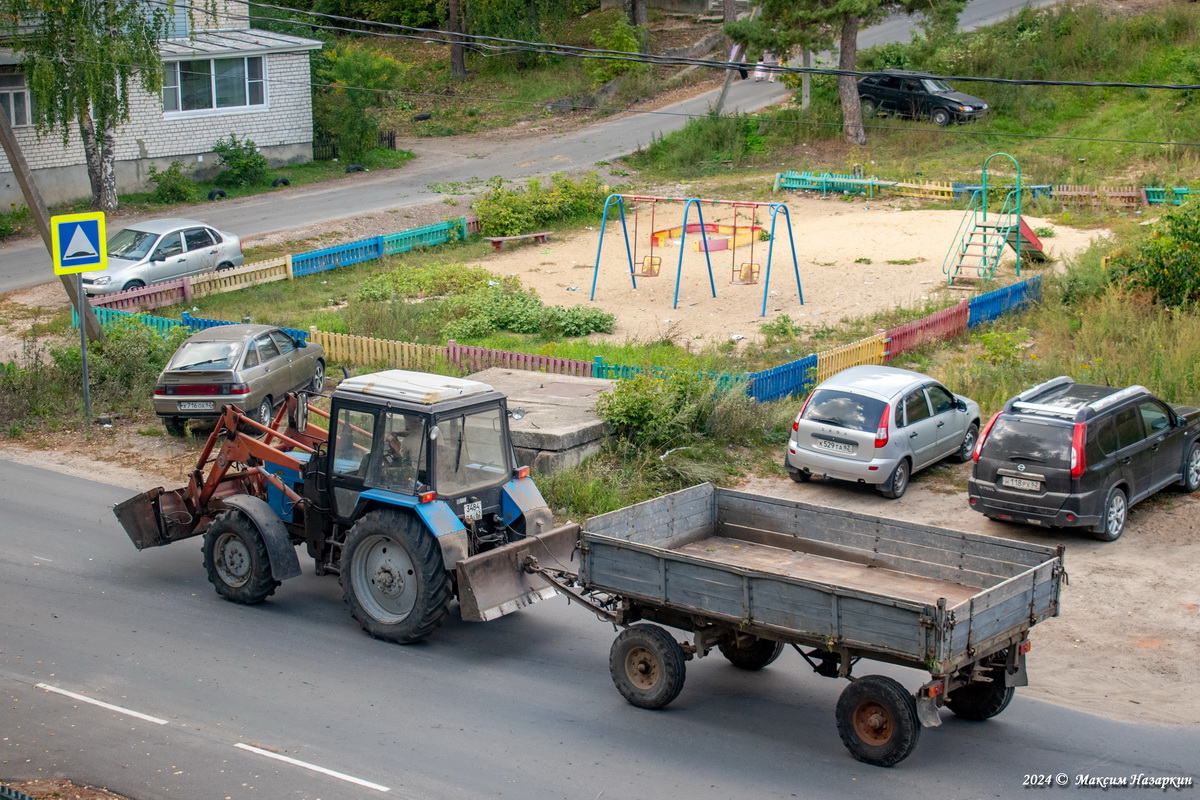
(155, 518)
(495, 583)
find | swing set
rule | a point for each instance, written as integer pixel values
(735, 236)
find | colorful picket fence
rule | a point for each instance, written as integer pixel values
(349, 349)
(940, 325)
(865, 351)
(473, 359)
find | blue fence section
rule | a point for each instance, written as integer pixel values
(601, 369)
(200, 323)
(111, 316)
(343, 255)
(989, 306)
(794, 377)
(9, 793)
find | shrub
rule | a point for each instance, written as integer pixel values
(1167, 262)
(172, 185)
(244, 165)
(504, 211)
(355, 82)
(13, 221)
(619, 35)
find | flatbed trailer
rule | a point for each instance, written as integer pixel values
(748, 575)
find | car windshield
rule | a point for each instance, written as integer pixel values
(131, 244)
(1034, 441)
(934, 86)
(206, 355)
(844, 409)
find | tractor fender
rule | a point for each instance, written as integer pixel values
(280, 550)
(517, 497)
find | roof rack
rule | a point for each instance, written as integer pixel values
(1029, 394)
(1117, 397)
(1058, 411)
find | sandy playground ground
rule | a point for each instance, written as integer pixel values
(855, 257)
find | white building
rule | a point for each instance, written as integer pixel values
(221, 77)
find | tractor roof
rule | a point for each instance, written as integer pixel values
(412, 387)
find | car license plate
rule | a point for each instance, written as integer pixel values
(837, 447)
(473, 511)
(205, 405)
(1020, 483)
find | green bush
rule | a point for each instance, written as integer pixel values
(618, 35)
(1167, 261)
(355, 82)
(13, 221)
(244, 165)
(431, 280)
(504, 308)
(172, 185)
(505, 211)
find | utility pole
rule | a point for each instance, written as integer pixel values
(733, 56)
(37, 207)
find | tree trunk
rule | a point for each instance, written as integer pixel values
(806, 82)
(101, 164)
(458, 59)
(852, 125)
(728, 15)
(638, 15)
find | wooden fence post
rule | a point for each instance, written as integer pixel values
(287, 264)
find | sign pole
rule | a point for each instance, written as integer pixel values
(83, 339)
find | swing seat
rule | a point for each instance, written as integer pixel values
(746, 273)
(650, 267)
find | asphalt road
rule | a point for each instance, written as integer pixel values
(446, 161)
(521, 707)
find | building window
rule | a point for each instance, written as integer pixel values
(14, 99)
(214, 84)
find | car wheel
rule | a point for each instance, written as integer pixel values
(1191, 468)
(967, 448)
(264, 411)
(133, 285)
(941, 117)
(176, 426)
(318, 379)
(1116, 512)
(225, 265)
(800, 475)
(869, 107)
(897, 482)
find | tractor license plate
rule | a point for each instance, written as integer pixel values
(1021, 483)
(836, 447)
(473, 511)
(197, 406)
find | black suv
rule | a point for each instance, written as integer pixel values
(911, 94)
(1074, 454)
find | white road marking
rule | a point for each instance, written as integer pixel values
(313, 767)
(39, 558)
(109, 706)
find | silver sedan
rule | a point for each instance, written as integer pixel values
(162, 250)
(879, 425)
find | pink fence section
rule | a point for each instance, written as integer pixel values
(477, 358)
(939, 325)
(145, 298)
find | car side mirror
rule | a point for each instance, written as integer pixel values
(300, 420)
(960, 404)
(300, 343)
(1180, 422)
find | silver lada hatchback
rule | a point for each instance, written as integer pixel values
(879, 425)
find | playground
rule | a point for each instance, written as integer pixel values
(855, 258)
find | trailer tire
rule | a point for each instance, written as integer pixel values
(983, 699)
(877, 720)
(753, 656)
(646, 664)
(393, 579)
(236, 559)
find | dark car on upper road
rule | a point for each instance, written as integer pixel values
(1078, 455)
(250, 366)
(911, 94)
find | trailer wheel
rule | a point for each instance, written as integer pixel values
(646, 664)
(393, 580)
(236, 560)
(749, 652)
(877, 720)
(983, 699)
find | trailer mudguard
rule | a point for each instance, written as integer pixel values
(438, 518)
(280, 550)
(518, 496)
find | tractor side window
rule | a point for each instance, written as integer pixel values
(402, 463)
(355, 433)
(470, 452)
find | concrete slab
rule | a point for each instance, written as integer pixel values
(560, 427)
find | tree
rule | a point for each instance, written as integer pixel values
(814, 24)
(454, 25)
(80, 60)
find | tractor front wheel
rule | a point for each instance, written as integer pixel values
(393, 579)
(236, 560)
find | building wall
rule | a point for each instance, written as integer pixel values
(283, 131)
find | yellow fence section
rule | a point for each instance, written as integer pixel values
(344, 348)
(864, 351)
(230, 280)
(933, 190)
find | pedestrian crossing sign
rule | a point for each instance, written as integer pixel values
(78, 242)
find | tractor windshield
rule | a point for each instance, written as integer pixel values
(402, 462)
(470, 452)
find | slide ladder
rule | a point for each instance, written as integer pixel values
(980, 242)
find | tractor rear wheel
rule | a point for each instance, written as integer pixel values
(236, 560)
(393, 579)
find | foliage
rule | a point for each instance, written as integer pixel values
(505, 211)
(622, 36)
(1167, 261)
(354, 82)
(431, 280)
(172, 185)
(244, 165)
(706, 145)
(14, 220)
(501, 308)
